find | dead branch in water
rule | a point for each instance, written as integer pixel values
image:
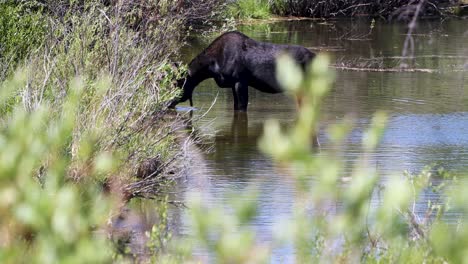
(326, 48)
(409, 40)
(461, 57)
(346, 68)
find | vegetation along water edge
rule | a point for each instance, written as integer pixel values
(387, 9)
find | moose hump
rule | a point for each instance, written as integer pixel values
(236, 61)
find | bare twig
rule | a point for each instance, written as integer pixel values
(409, 40)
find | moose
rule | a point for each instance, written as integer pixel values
(236, 61)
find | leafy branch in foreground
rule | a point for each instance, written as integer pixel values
(45, 217)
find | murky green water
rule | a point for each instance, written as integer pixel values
(428, 111)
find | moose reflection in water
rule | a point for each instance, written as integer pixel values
(236, 61)
(234, 146)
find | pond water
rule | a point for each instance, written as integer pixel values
(428, 112)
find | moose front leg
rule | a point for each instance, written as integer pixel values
(236, 100)
(241, 96)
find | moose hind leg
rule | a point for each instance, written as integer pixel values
(241, 92)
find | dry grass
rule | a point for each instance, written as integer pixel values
(124, 52)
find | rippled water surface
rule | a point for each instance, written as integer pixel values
(428, 111)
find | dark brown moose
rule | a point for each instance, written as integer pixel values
(236, 61)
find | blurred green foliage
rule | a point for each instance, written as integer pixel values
(45, 217)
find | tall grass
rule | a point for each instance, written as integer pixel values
(99, 42)
(129, 45)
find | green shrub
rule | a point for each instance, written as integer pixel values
(257, 9)
(22, 30)
(45, 217)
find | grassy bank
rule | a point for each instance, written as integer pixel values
(106, 47)
(387, 9)
(84, 125)
(246, 9)
(131, 46)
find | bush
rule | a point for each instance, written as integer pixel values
(257, 9)
(23, 29)
(46, 218)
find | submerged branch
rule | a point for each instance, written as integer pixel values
(366, 69)
(420, 56)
